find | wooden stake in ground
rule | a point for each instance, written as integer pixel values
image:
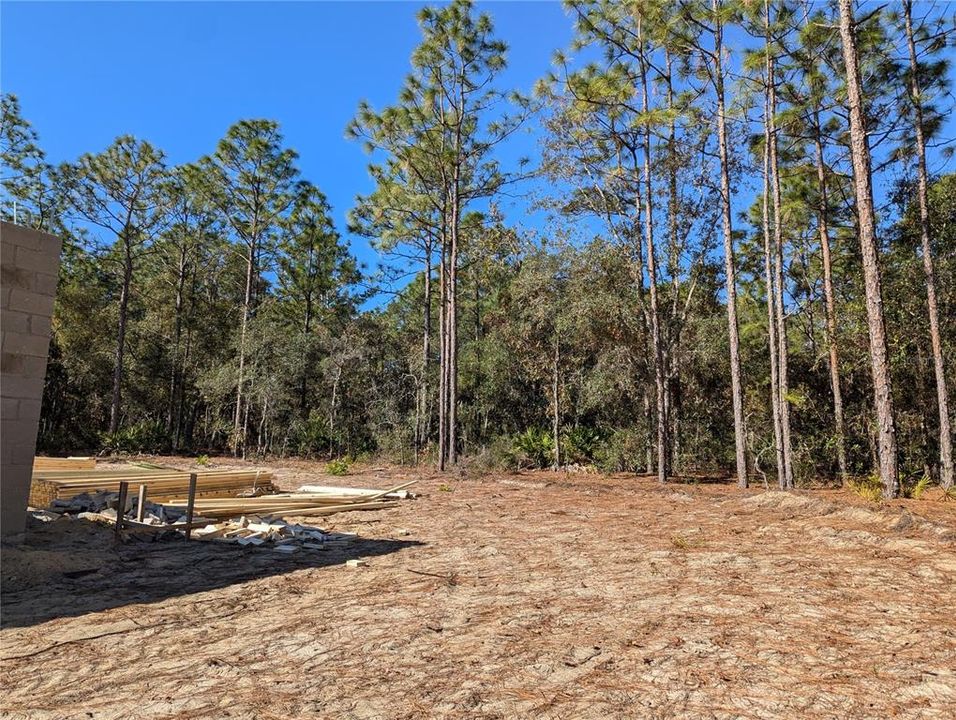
(121, 510)
(191, 503)
(141, 504)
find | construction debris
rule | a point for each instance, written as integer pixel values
(275, 534)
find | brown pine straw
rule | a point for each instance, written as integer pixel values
(705, 602)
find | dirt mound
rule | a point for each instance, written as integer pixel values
(788, 502)
(52, 551)
(876, 518)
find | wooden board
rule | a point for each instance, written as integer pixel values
(67, 463)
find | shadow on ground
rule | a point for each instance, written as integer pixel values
(73, 567)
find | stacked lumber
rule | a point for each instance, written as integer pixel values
(294, 504)
(67, 463)
(161, 485)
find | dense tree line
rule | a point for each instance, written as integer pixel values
(747, 264)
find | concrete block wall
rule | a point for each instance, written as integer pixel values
(29, 266)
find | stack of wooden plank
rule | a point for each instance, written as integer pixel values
(161, 485)
(67, 463)
(294, 504)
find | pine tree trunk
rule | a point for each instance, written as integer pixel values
(178, 434)
(306, 331)
(556, 403)
(175, 376)
(674, 332)
(740, 428)
(443, 358)
(771, 305)
(866, 222)
(238, 434)
(656, 338)
(480, 412)
(453, 339)
(942, 398)
(333, 445)
(834, 360)
(783, 351)
(454, 228)
(422, 429)
(116, 402)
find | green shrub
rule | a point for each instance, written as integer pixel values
(339, 466)
(580, 444)
(311, 435)
(918, 488)
(533, 448)
(622, 451)
(148, 436)
(869, 487)
(202, 460)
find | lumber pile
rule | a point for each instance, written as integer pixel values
(299, 504)
(67, 463)
(55, 487)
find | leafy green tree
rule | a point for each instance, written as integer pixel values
(119, 191)
(186, 250)
(442, 133)
(315, 272)
(252, 180)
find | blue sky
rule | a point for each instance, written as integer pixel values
(179, 73)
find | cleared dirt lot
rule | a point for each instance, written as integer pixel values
(537, 595)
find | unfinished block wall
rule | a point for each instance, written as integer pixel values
(28, 274)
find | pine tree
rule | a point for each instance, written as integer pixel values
(314, 271)
(809, 94)
(866, 228)
(445, 128)
(924, 78)
(252, 180)
(120, 191)
(703, 30)
(183, 248)
(28, 198)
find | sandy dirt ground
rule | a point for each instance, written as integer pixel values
(536, 595)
